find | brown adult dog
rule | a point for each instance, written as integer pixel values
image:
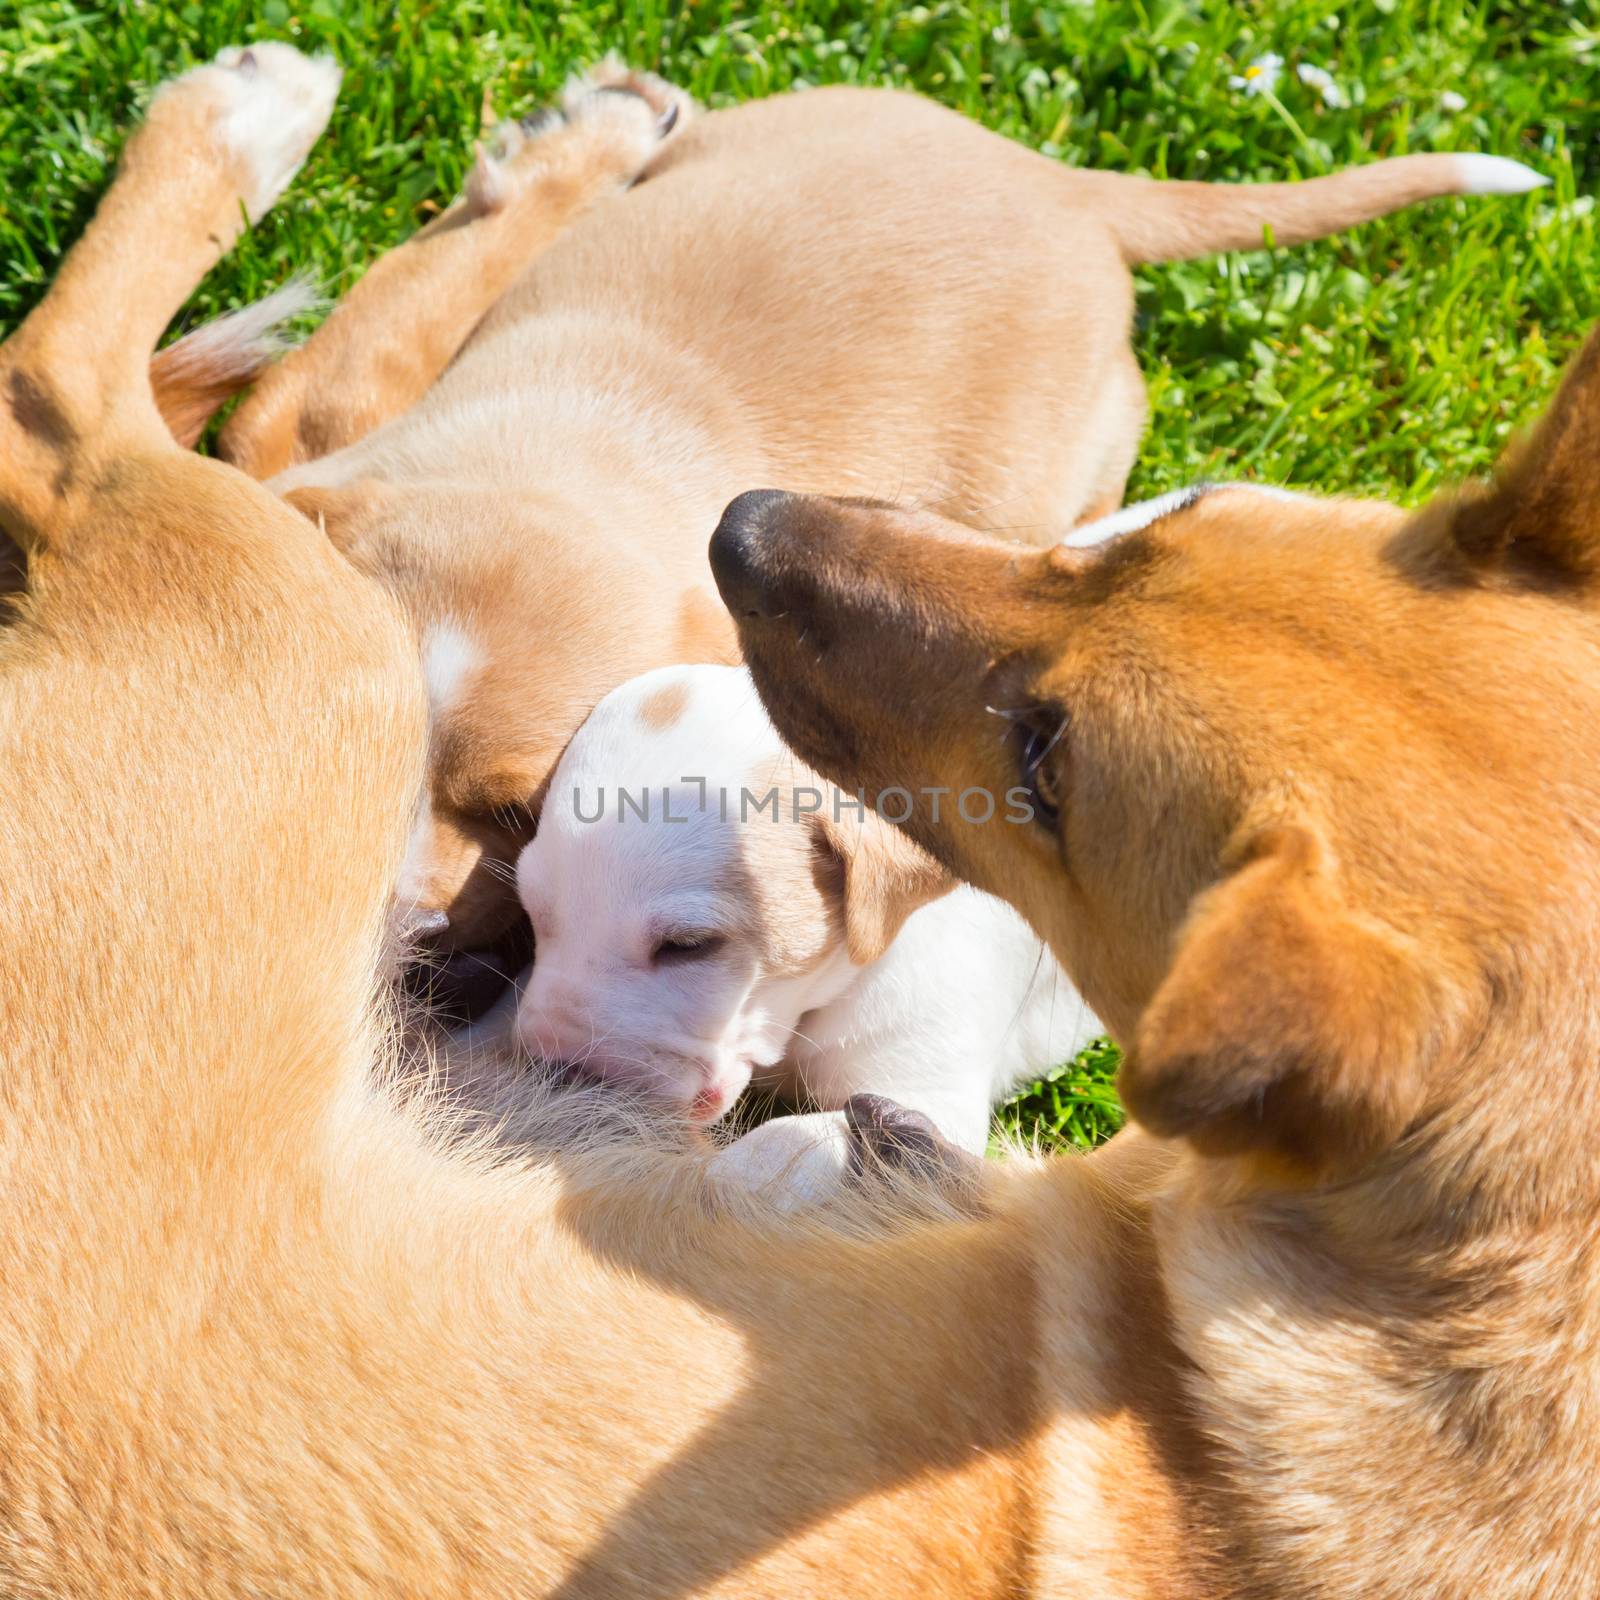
(264, 1334)
(1315, 788)
(774, 303)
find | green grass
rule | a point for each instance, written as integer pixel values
(1383, 362)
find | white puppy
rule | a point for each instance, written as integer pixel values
(707, 911)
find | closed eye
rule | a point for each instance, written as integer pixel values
(686, 945)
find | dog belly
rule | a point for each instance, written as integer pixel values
(947, 341)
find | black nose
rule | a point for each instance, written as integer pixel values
(737, 548)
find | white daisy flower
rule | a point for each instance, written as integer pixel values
(1261, 76)
(1320, 79)
(1451, 101)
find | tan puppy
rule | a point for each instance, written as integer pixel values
(776, 303)
(264, 1334)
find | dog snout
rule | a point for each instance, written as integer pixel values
(740, 547)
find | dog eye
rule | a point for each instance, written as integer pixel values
(682, 947)
(1037, 738)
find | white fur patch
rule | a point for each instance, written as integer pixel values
(1497, 175)
(242, 341)
(963, 1004)
(489, 185)
(276, 103)
(449, 658)
(1129, 519)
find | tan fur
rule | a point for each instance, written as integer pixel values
(665, 708)
(399, 327)
(194, 376)
(264, 1332)
(270, 1329)
(1325, 855)
(827, 881)
(773, 303)
(885, 877)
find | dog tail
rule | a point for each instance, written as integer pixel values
(192, 377)
(1170, 221)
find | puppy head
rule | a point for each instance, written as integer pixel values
(525, 617)
(1309, 785)
(694, 892)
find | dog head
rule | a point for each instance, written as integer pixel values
(694, 891)
(525, 617)
(1308, 786)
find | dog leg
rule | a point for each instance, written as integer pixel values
(219, 681)
(401, 325)
(218, 147)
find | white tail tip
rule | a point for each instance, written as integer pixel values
(247, 339)
(191, 378)
(1496, 175)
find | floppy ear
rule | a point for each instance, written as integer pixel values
(1540, 516)
(1288, 1025)
(884, 878)
(343, 511)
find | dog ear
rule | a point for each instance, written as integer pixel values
(343, 511)
(1288, 1025)
(882, 877)
(1536, 518)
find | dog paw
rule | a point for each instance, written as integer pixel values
(886, 1139)
(609, 125)
(613, 76)
(792, 1162)
(271, 103)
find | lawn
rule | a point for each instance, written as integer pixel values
(1387, 361)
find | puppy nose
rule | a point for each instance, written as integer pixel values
(736, 549)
